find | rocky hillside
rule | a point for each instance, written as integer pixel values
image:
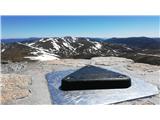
(77, 48)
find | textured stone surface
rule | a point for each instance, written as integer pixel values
(139, 89)
(13, 87)
(70, 62)
(111, 61)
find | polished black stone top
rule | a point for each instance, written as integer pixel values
(92, 77)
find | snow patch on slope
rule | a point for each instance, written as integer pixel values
(41, 54)
(30, 44)
(66, 44)
(98, 45)
(44, 57)
(2, 50)
(56, 46)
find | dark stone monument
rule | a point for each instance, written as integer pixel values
(92, 77)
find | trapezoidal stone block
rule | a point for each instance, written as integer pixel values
(92, 77)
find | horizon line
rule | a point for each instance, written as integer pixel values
(82, 36)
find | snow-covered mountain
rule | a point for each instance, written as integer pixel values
(56, 47)
(65, 47)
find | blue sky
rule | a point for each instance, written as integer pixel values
(86, 26)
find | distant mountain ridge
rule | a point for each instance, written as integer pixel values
(82, 48)
(14, 40)
(138, 42)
